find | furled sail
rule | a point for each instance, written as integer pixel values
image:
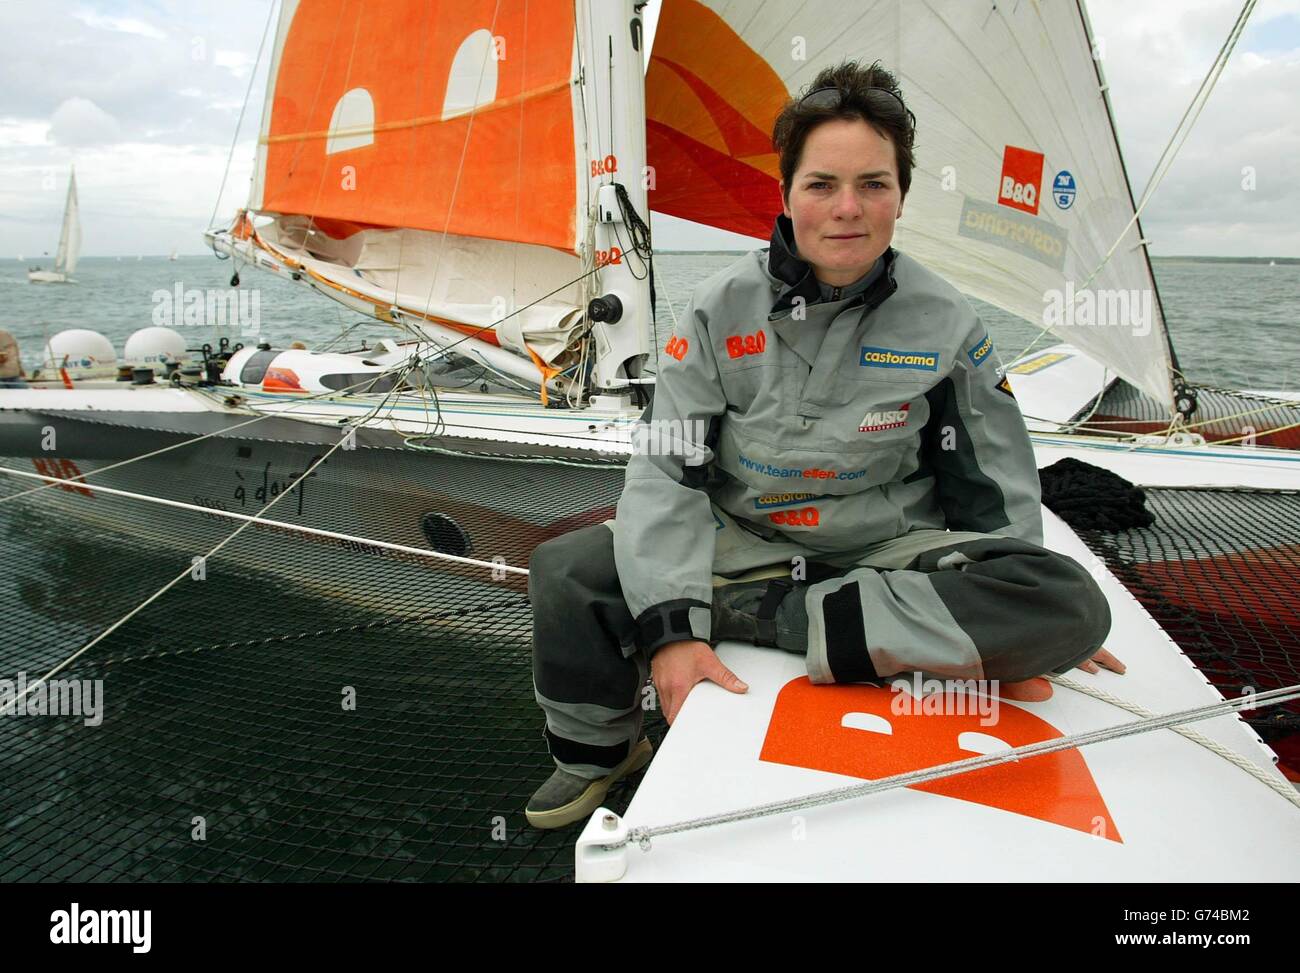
(1019, 191)
(65, 258)
(426, 155)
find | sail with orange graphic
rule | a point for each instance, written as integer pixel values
(1019, 189)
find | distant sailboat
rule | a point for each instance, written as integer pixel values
(174, 256)
(65, 259)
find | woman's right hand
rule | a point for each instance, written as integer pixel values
(678, 666)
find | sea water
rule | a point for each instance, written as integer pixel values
(1231, 324)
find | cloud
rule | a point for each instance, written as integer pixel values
(79, 121)
(172, 77)
(125, 25)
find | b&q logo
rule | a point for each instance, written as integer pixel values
(857, 731)
(676, 347)
(751, 344)
(605, 166)
(611, 256)
(1022, 179)
(805, 517)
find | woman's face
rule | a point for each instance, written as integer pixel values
(844, 199)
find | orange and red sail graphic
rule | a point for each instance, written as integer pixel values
(807, 730)
(710, 104)
(506, 171)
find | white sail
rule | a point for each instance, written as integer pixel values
(65, 260)
(1019, 190)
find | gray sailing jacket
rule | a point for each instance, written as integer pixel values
(827, 418)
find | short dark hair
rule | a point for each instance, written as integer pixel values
(889, 118)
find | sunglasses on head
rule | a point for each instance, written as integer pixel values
(832, 97)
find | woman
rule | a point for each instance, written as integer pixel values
(830, 409)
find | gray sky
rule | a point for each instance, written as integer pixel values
(143, 95)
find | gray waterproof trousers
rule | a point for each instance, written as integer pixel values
(949, 604)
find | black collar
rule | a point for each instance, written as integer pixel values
(800, 281)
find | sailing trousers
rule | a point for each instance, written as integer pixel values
(948, 604)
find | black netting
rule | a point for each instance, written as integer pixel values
(1220, 572)
(223, 699)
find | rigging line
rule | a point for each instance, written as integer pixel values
(503, 457)
(1071, 425)
(282, 525)
(315, 98)
(216, 206)
(579, 441)
(411, 165)
(347, 330)
(1199, 100)
(587, 248)
(488, 327)
(297, 402)
(1284, 789)
(168, 586)
(347, 78)
(446, 614)
(642, 835)
(1171, 149)
(519, 164)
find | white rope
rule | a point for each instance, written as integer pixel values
(642, 836)
(1283, 788)
(277, 524)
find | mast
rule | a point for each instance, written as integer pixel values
(612, 92)
(498, 207)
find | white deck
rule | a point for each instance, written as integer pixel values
(1166, 808)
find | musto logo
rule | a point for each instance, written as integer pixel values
(859, 731)
(879, 421)
(894, 358)
(676, 347)
(1022, 177)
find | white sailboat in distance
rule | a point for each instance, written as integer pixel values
(65, 259)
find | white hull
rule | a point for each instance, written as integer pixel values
(48, 277)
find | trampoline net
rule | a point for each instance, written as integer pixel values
(1219, 570)
(322, 710)
(307, 711)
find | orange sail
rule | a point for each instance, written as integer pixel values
(451, 117)
(710, 102)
